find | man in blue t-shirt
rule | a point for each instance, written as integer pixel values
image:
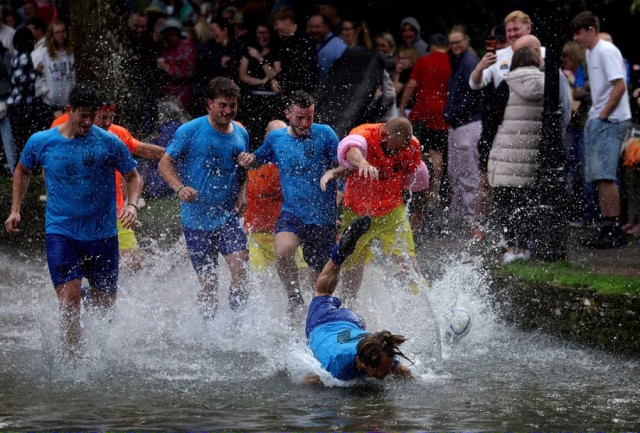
(79, 162)
(337, 336)
(303, 152)
(200, 166)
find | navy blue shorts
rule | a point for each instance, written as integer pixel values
(326, 309)
(317, 240)
(70, 259)
(204, 245)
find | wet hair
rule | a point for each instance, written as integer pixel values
(23, 40)
(401, 127)
(222, 86)
(105, 98)
(585, 20)
(301, 99)
(524, 57)
(84, 95)
(372, 346)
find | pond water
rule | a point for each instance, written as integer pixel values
(156, 364)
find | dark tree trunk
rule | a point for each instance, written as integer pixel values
(98, 30)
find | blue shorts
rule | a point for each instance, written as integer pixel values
(204, 245)
(317, 240)
(70, 259)
(603, 141)
(326, 309)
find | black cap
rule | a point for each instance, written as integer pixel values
(499, 33)
(439, 40)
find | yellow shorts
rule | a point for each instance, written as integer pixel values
(392, 230)
(126, 238)
(262, 253)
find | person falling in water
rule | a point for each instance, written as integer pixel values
(337, 336)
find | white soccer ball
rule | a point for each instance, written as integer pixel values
(458, 324)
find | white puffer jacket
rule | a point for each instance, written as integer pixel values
(513, 160)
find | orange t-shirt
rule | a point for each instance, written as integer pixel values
(60, 120)
(379, 197)
(125, 136)
(264, 199)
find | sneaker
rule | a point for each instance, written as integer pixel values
(606, 238)
(512, 257)
(351, 235)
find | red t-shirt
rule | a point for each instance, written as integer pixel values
(379, 197)
(432, 78)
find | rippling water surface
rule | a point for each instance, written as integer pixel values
(158, 365)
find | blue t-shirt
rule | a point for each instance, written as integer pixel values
(206, 161)
(80, 178)
(334, 344)
(301, 163)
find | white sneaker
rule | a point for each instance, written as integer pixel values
(512, 257)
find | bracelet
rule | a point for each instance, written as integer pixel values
(180, 189)
(134, 206)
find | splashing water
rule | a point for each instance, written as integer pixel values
(156, 364)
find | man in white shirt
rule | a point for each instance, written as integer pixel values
(493, 67)
(606, 127)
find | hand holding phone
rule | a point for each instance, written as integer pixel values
(490, 45)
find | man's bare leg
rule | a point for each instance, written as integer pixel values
(208, 295)
(69, 302)
(238, 290)
(351, 282)
(285, 246)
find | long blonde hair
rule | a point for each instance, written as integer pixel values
(50, 42)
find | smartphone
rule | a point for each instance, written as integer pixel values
(490, 45)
